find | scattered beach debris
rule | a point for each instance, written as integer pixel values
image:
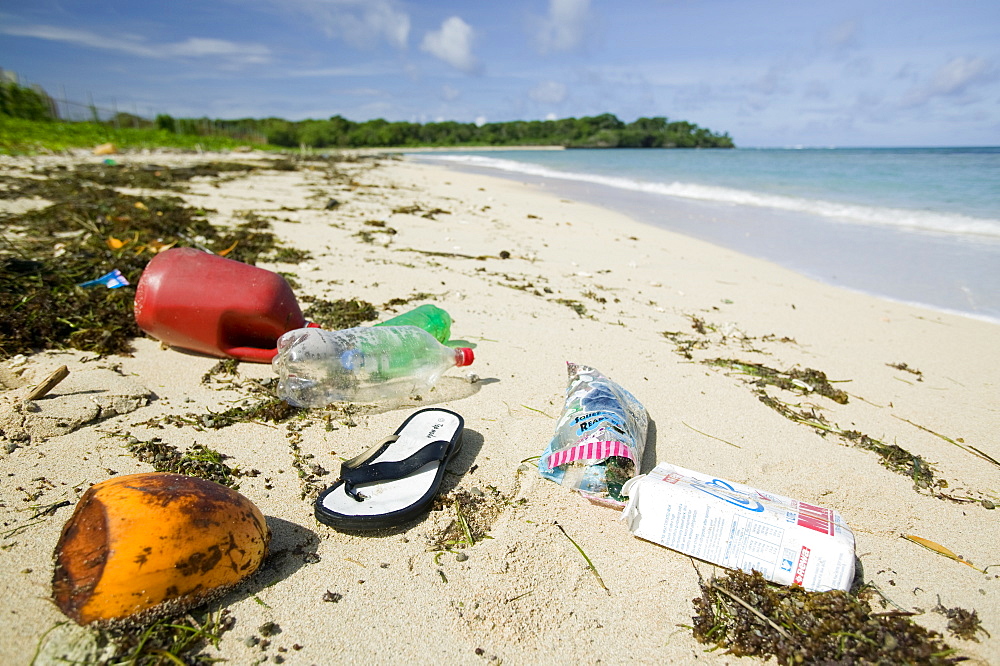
(49, 251)
(892, 456)
(962, 623)
(800, 381)
(718, 439)
(166, 641)
(475, 512)
(269, 409)
(747, 616)
(906, 368)
(82, 398)
(145, 546)
(112, 280)
(416, 209)
(576, 306)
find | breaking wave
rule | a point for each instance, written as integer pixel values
(909, 219)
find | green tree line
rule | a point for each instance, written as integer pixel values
(602, 131)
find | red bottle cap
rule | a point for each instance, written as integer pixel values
(463, 356)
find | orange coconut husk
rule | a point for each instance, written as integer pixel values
(144, 546)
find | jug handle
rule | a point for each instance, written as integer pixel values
(258, 355)
(252, 354)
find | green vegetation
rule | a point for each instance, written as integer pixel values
(29, 123)
(20, 102)
(19, 136)
(603, 131)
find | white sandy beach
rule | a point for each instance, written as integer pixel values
(525, 595)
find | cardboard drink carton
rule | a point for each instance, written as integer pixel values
(739, 527)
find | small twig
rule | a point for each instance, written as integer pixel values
(464, 525)
(712, 436)
(48, 384)
(589, 563)
(14, 531)
(971, 449)
(49, 510)
(538, 410)
(750, 608)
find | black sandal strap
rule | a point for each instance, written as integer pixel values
(367, 473)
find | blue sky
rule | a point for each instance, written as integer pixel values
(769, 72)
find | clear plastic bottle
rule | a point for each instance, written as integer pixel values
(429, 317)
(365, 364)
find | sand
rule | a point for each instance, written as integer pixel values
(579, 284)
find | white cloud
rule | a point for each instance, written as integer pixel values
(565, 26)
(193, 47)
(449, 93)
(480, 121)
(361, 23)
(452, 44)
(953, 79)
(548, 92)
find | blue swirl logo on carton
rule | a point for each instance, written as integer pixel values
(725, 492)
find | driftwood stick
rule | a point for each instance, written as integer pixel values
(774, 625)
(50, 383)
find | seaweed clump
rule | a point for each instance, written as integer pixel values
(807, 380)
(181, 640)
(892, 456)
(749, 617)
(475, 513)
(88, 230)
(199, 461)
(339, 314)
(962, 623)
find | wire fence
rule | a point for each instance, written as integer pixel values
(128, 116)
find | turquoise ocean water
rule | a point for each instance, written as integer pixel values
(919, 225)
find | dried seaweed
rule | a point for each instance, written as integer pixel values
(475, 513)
(962, 623)
(339, 314)
(749, 617)
(802, 381)
(199, 461)
(891, 456)
(87, 230)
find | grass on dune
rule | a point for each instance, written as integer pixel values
(28, 137)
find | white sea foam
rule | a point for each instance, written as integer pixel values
(915, 220)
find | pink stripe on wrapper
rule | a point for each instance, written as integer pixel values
(591, 451)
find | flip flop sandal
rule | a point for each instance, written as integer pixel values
(394, 481)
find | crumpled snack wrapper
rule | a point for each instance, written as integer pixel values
(599, 438)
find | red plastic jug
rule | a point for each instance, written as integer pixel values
(206, 303)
